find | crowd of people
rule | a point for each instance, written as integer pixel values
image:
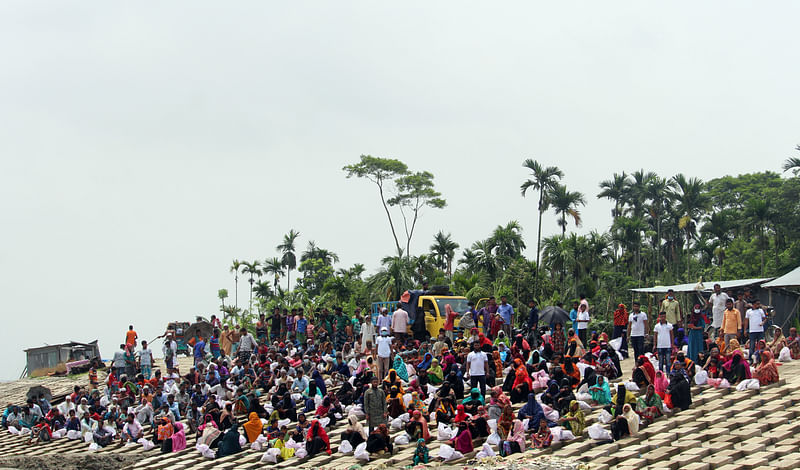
(287, 382)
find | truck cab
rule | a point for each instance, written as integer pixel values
(434, 308)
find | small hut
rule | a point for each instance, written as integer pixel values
(59, 358)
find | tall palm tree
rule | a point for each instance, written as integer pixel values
(480, 258)
(235, 265)
(314, 252)
(273, 267)
(719, 227)
(615, 191)
(506, 242)
(289, 258)
(544, 179)
(253, 271)
(759, 211)
(692, 202)
(444, 249)
(636, 193)
(659, 193)
(566, 203)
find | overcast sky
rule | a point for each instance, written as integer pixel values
(144, 146)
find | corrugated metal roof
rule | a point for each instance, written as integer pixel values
(703, 287)
(790, 279)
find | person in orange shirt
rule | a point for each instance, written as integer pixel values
(131, 336)
(731, 322)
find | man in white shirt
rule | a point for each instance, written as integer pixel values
(146, 361)
(400, 324)
(754, 321)
(663, 342)
(170, 350)
(383, 320)
(637, 328)
(367, 332)
(477, 367)
(583, 323)
(132, 430)
(384, 344)
(717, 303)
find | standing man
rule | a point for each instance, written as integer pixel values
(486, 313)
(400, 324)
(637, 327)
(131, 336)
(717, 302)
(754, 325)
(247, 344)
(620, 324)
(672, 308)
(367, 333)
(663, 342)
(375, 405)
(583, 323)
(146, 361)
(533, 321)
(506, 312)
(301, 326)
(477, 367)
(199, 350)
(118, 363)
(731, 322)
(383, 320)
(236, 335)
(170, 349)
(384, 343)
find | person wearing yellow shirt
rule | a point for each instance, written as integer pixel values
(731, 322)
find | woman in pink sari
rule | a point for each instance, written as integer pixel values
(463, 440)
(178, 438)
(661, 383)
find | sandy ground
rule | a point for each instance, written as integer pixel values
(68, 462)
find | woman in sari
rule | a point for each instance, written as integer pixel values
(417, 427)
(208, 432)
(641, 374)
(400, 366)
(558, 339)
(735, 369)
(416, 404)
(395, 402)
(379, 441)
(354, 432)
(680, 391)
(505, 422)
(498, 365)
(446, 412)
(767, 371)
(514, 442)
(793, 341)
(178, 438)
(778, 343)
(601, 394)
(661, 383)
(605, 366)
(696, 326)
(522, 382)
(426, 362)
(574, 419)
(253, 427)
(473, 401)
(626, 424)
(649, 406)
(542, 437)
(463, 440)
(317, 440)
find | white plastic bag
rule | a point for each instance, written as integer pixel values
(486, 451)
(345, 447)
(271, 456)
(492, 425)
(748, 384)
(605, 417)
(15, 431)
(785, 355)
(401, 440)
(583, 405)
(358, 412)
(301, 453)
(556, 433)
(566, 435)
(525, 423)
(242, 441)
(724, 384)
(146, 443)
(407, 399)
(259, 443)
(493, 439)
(284, 422)
(27, 432)
(550, 414)
(71, 435)
(581, 396)
(599, 433)
(396, 424)
(361, 452)
(405, 417)
(324, 422)
(444, 432)
(60, 433)
(701, 377)
(448, 454)
(631, 386)
(293, 445)
(93, 447)
(88, 438)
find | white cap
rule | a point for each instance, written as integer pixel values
(384, 329)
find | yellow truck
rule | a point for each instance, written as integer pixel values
(428, 306)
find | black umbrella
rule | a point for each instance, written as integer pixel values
(552, 315)
(36, 390)
(201, 328)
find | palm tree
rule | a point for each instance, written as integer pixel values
(659, 193)
(615, 190)
(565, 203)
(235, 270)
(289, 260)
(273, 267)
(251, 269)
(793, 164)
(759, 211)
(314, 252)
(222, 294)
(444, 250)
(507, 243)
(719, 227)
(636, 193)
(396, 275)
(480, 258)
(692, 202)
(544, 180)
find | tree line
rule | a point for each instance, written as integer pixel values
(663, 229)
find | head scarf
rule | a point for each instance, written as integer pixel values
(416, 402)
(632, 418)
(660, 383)
(518, 434)
(531, 410)
(461, 415)
(178, 438)
(253, 427)
(316, 430)
(362, 366)
(400, 367)
(733, 346)
(421, 453)
(577, 426)
(355, 426)
(435, 370)
(521, 375)
(502, 398)
(230, 442)
(317, 377)
(648, 368)
(417, 416)
(426, 362)
(474, 395)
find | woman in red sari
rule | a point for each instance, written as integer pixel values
(522, 383)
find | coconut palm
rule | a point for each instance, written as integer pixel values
(544, 180)
(235, 265)
(444, 250)
(692, 202)
(615, 191)
(273, 267)
(289, 259)
(659, 193)
(395, 277)
(253, 271)
(506, 242)
(793, 164)
(314, 252)
(637, 191)
(565, 203)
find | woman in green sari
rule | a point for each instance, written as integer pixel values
(574, 419)
(435, 373)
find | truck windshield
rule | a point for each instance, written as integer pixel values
(458, 305)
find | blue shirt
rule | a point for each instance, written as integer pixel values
(302, 324)
(383, 322)
(200, 349)
(505, 312)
